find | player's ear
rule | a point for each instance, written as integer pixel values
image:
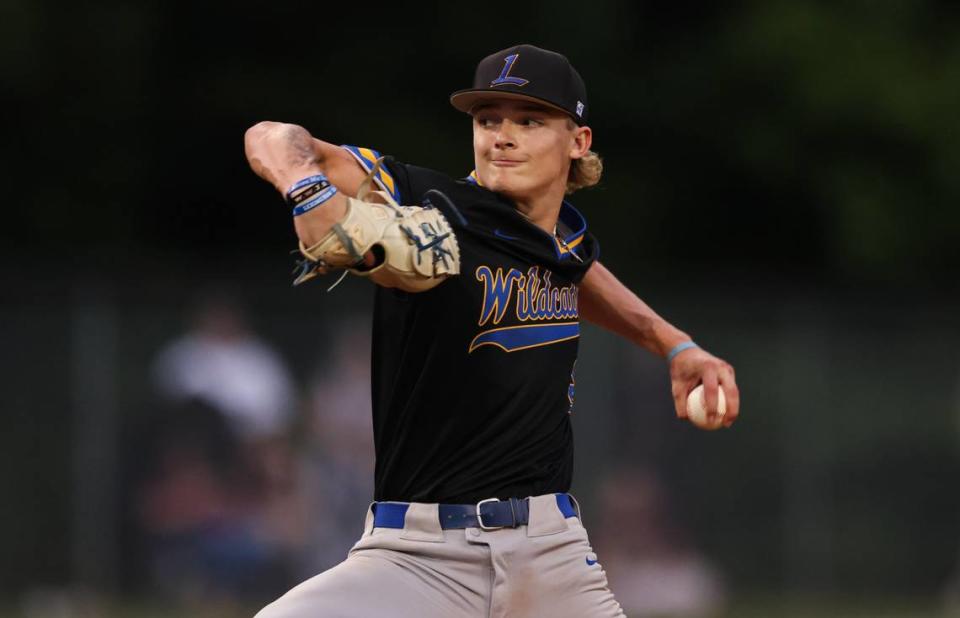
(582, 140)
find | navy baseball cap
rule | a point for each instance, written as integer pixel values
(527, 73)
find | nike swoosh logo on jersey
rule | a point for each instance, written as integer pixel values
(500, 234)
(590, 562)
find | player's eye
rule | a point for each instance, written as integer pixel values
(485, 121)
(532, 122)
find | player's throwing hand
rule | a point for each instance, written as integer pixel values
(694, 366)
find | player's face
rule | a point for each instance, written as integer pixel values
(524, 150)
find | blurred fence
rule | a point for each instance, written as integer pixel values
(840, 478)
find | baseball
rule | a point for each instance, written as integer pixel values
(697, 409)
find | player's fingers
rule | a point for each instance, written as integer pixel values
(680, 391)
(732, 394)
(710, 395)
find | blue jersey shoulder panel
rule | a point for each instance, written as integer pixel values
(367, 157)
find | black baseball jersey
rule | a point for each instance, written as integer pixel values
(473, 379)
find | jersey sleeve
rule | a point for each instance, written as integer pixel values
(387, 178)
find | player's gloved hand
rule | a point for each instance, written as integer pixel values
(695, 365)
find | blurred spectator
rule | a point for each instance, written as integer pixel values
(338, 465)
(222, 362)
(219, 504)
(650, 563)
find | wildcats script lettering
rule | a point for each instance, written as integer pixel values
(546, 314)
(532, 294)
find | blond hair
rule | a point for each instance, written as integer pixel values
(584, 172)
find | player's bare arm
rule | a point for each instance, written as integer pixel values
(283, 154)
(350, 226)
(335, 162)
(605, 301)
(339, 166)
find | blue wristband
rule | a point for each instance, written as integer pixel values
(314, 201)
(680, 347)
(308, 193)
(309, 180)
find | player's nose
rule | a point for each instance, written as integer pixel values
(504, 137)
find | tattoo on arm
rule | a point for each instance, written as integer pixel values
(278, 151)
(262, 171)
(299, 146)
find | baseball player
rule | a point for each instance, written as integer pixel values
(481, 284)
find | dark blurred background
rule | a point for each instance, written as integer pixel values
(780, 181)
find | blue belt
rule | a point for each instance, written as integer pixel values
(489, 514)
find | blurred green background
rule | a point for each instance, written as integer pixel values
(780, 182)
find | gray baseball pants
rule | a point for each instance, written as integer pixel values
(545, 569)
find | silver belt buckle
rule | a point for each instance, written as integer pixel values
(480, 517)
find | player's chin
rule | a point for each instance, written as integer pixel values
(506, 182)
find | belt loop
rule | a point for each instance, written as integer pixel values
(545, 516)
(576, 505)
(368, 522)
(422, 523)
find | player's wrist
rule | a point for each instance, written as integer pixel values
(308, 193)
(680, 347)
(665, 337)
